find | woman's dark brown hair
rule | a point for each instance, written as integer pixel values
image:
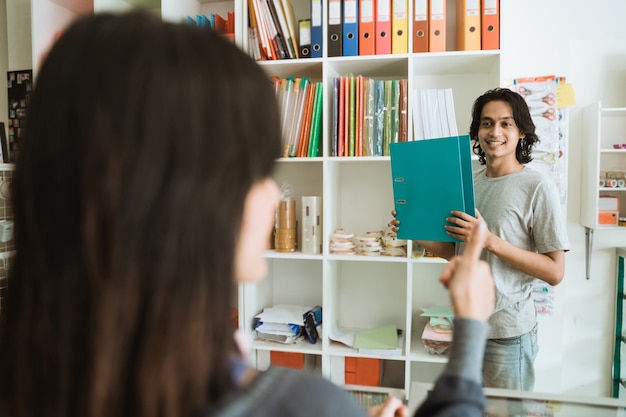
(143, 140)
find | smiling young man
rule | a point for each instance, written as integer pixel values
(526, 240)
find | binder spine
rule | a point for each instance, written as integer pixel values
(350, 29)
(334, 28)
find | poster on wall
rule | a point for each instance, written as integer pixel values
(19, 88)
(548, 112)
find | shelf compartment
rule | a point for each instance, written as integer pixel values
(289, 281)
(362, 295)
(360, 196)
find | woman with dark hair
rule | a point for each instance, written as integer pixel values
(143, 194)
(527, 238)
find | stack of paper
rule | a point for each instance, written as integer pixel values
(433, 113)
(437, 334)
(282, 323)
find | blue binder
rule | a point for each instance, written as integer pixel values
(431, 178)
(350, 28)
(316, 28)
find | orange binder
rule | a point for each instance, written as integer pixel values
(383, 27)
(367, 27)
(468, 25)
(420, 26)
(437, 26)
(399, 27)
(490, 25)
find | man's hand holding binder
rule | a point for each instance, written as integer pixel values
(432, 179)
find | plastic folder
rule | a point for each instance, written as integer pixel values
(431, 178)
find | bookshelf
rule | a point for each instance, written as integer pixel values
(354, 291)
(603, 170)
(361, 291)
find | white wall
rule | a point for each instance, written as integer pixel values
(586, 42)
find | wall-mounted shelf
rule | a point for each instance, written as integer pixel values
(603, 129)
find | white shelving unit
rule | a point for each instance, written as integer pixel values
(354, 291)
(358, 291)
(603, 128)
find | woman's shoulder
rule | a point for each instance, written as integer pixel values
(288, 392)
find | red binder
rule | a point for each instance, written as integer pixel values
(490, 36)
(383, 27)
(367, 27)
(437, 26)
(420, 26)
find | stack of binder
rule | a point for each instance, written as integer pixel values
(477, 25)
(367, 27)
(370, 27)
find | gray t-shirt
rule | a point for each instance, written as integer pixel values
(522, 208)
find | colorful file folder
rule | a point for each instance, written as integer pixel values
(367, 27)
(431, 178)
(383, 27)
(437, 26)
(335, 28)
(316, 28)
(420, 26)
(399, 27)
(468, 25)
(490, 24)
(350, 27)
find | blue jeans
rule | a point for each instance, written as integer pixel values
(509, 363)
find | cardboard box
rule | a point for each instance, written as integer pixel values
(292, 360)
(608, 203)
(608, 217)
(362, 371)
